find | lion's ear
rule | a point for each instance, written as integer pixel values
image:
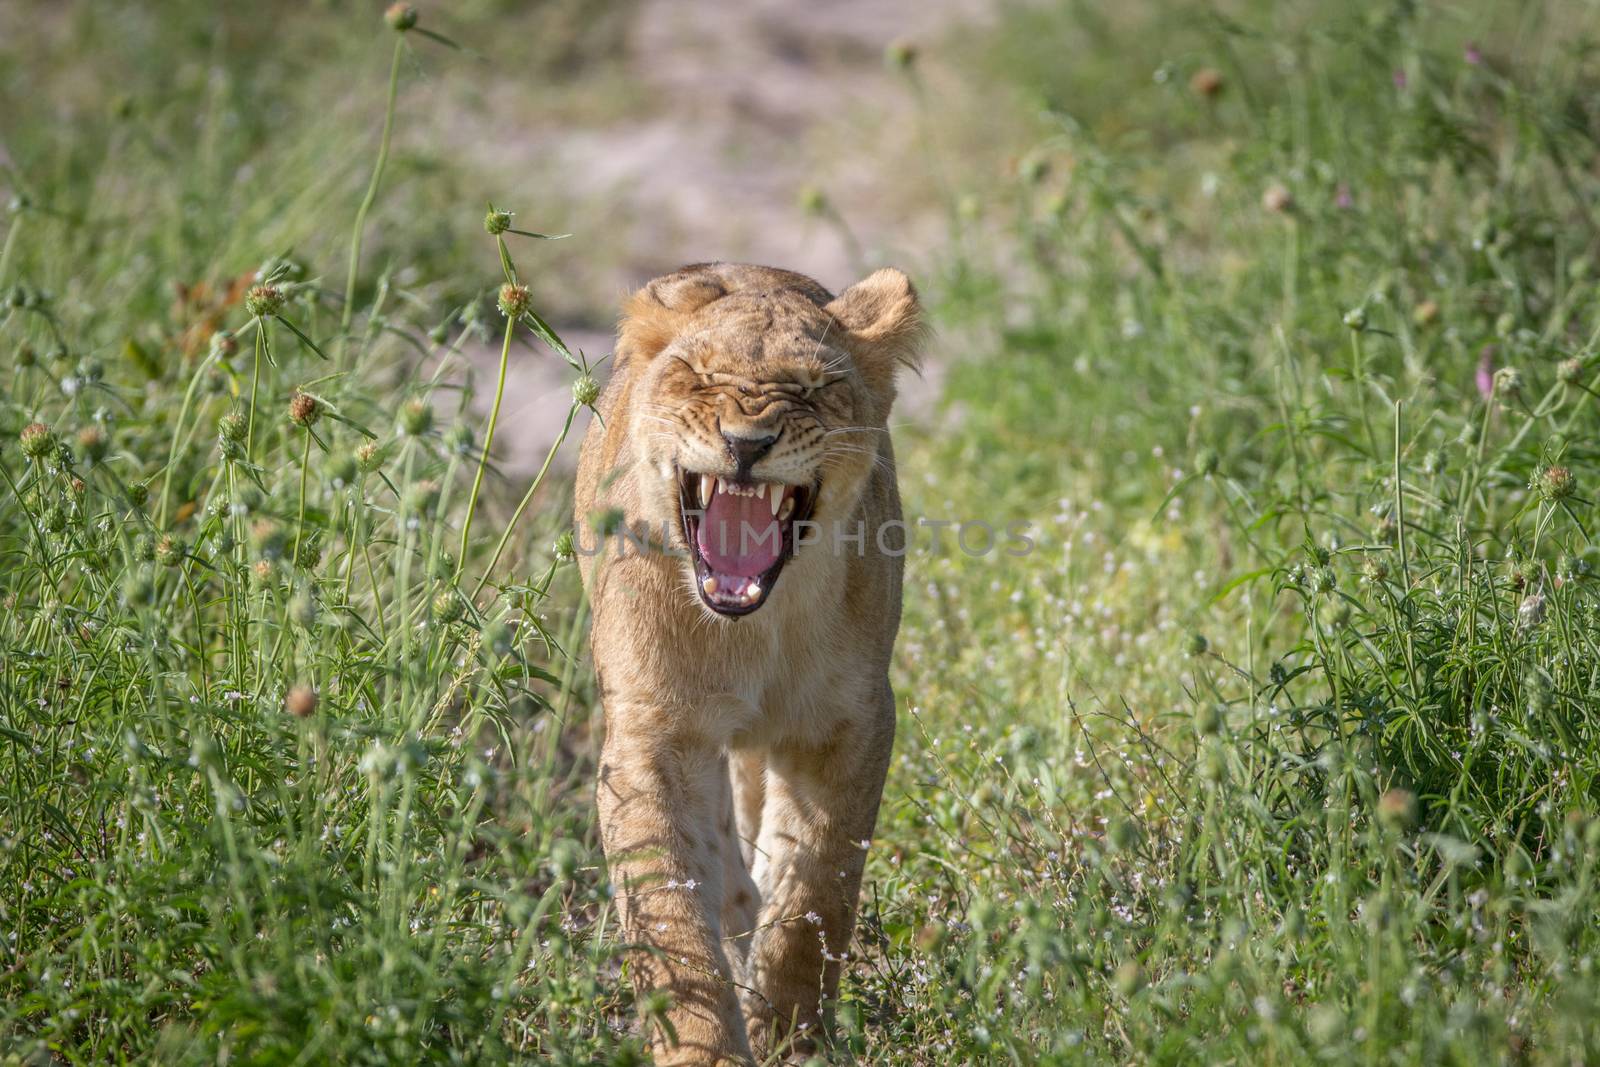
(883, 318)
(655, 314)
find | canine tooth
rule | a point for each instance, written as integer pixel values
(761, 490)
(709, 585)
(708, 486)
(753, 592)
(778, 496)
(787, 509)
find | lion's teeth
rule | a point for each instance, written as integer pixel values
(752, 593)
(778, 496)
(787, 509)
(761, 490)
(708, 486)
(709, 585)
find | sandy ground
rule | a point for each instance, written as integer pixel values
(748, 104)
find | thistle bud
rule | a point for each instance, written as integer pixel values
(1206, 82)
(263, 301)
(421, 498)
(562, 549)
(400, 17)
(1553, 484)
(94, 443)
(1356, 319)
(900, 55)
(38, 440)
(1507, 381)
(586, 391)
(497, 222)
(514, 300)
(168, 550)
(416, 418)
(303, 610)
(1277, 199)
(812, 201)
(1198, 645)
(304, 409)
(232, 426)
(1397, 809)
(301, 702)
(447, 607)
(369, 457)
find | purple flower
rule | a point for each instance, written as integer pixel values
(1399, 78)
(1342, 198)
(1472, 55)
(1485, 377)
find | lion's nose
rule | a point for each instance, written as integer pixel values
(748, 450)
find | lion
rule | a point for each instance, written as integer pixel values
(742, 663)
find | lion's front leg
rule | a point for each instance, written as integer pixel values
(659, 798)
(821, 806)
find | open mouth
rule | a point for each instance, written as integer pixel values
(740, 534)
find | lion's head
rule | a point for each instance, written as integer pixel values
(758, 402)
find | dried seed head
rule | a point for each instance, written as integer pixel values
(514, 300)
(224, 344)
(1553, 484)
(1206, 82)
(37, 440)
(400, 17)
(497, 222)
(1530, 612)
(263, 300)
(304, 409)
(301, 702)
(1570, 371)
(1425, 313)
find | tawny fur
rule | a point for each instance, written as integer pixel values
(745, 757)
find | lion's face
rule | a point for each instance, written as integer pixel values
(763, 413)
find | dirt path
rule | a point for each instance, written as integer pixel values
(748, 105)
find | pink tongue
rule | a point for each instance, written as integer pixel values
(738, 535)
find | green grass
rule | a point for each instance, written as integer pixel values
(1281, 746)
